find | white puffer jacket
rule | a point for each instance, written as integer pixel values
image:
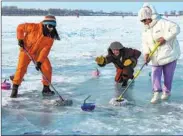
(167, 52)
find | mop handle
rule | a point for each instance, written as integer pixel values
(43, 74)
(138, 72)
(87, 98)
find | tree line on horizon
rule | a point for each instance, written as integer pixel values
(15, 11)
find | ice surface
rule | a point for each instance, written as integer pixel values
(72, 58)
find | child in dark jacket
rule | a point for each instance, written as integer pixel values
(124, 59)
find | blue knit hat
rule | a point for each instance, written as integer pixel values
(49, 20)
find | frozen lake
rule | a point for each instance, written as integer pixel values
(72, 58)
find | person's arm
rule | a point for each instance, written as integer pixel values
(43, 54)
(45, 51)
(136, 53)
(22, 29)
(133, 55)
(102, 61)
(145, 49)
(172, 31)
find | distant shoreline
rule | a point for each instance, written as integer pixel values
(15, 11)
(87, 16)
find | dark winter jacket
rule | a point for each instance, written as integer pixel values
(123, 72)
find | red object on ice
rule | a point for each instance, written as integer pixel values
(5, 85)
(96, 73)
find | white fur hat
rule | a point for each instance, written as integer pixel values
(145, 13)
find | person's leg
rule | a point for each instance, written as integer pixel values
(118, 89)
(127, 74)
(168, 72)
(47, 72)
(23, 63)
(118, 77)
(156, 78)
(156, 82)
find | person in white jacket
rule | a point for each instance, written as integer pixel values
(157, 29)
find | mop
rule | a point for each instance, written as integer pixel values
(61, 101)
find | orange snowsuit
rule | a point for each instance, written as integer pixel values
(38, 47)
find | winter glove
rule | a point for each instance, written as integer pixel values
(100, 60)
(21, 43)
(38, 66)
(127, 62)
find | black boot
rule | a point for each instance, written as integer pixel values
(125, 82)
(47, 92)
(14, 91)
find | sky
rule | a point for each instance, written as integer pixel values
(97, 6)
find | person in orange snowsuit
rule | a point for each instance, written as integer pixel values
(37, 39)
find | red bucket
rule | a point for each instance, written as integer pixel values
(96, 73)
(5, 85)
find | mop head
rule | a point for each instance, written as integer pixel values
(118, 103)
(63, 103)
